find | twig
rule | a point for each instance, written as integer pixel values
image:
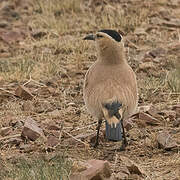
(41, 84)
(171, 93)
(32, 80)
(8, 92)
(27, 81)
(84, 127)
(115, 162)
(8, 137)
(75, 138)
(132, 43)
(61, 129)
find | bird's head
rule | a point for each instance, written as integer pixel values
(105, 36)
(108, 42)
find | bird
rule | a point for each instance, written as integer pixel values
(110, 86)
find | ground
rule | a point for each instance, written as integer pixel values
(41, 48)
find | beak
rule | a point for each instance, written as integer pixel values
(89, 37)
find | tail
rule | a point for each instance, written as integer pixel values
(113, 114)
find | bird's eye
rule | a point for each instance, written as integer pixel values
(99, 36)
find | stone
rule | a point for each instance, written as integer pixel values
(93, 169)
(24, 93)
(28, 106)
(31, 130)
(52, 141)
(165, 141)
(132, 166)
(148, 118)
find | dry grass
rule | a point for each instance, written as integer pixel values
(59, 60)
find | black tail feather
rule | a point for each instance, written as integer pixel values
(114, 132)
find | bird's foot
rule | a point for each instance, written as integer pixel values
(123, 146)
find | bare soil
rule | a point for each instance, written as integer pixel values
(41, 47)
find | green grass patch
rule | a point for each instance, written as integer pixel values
(41, 168)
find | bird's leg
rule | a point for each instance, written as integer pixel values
(98, 129)
(124, 143)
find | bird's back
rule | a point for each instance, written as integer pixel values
(107, 83)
